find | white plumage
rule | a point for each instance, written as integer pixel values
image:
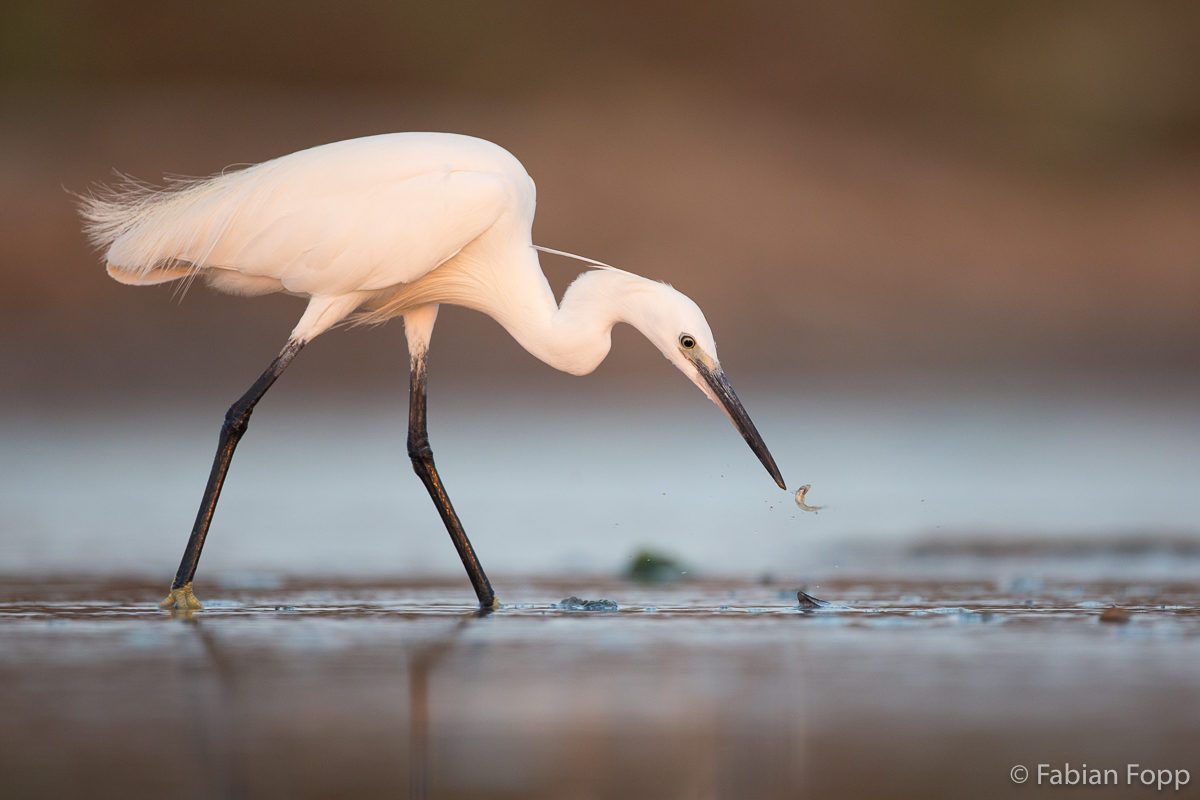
(387, 226)
(356, 218)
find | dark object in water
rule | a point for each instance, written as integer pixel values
(647, 566)
(1114, 614)
(576, 604)
(808, 602)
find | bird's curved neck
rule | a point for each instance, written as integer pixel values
(506, 282)
(576, 335)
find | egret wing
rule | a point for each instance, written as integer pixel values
(365, 241)
(361, 214)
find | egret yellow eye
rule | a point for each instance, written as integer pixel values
(687, 342)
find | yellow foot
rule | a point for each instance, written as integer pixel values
(182, 598)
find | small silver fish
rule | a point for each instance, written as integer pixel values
(800, 499)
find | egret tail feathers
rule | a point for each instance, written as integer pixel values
(156, 234)
(169, 271)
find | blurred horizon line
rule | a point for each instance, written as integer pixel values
(842, 188)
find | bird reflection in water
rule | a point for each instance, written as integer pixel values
(208, 681)
(207, 678)
(419, 668)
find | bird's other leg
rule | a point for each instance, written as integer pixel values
(236, 421)
(418, 327)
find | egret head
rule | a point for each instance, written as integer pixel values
(677, 327)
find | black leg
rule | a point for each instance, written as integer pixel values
(236, 421)
(422, 461)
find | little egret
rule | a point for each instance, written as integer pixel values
(389, 226)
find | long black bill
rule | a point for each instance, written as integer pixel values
(716, 380)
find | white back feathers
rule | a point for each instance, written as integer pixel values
(360, 215)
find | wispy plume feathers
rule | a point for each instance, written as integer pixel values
(173, 229)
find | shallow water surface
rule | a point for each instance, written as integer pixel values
(723, 688)
(567, 483)
(968, 547)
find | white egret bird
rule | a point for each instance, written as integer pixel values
(388, 226)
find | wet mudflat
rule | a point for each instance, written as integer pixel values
(902, 688)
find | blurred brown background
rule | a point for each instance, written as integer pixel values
(842, 186)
